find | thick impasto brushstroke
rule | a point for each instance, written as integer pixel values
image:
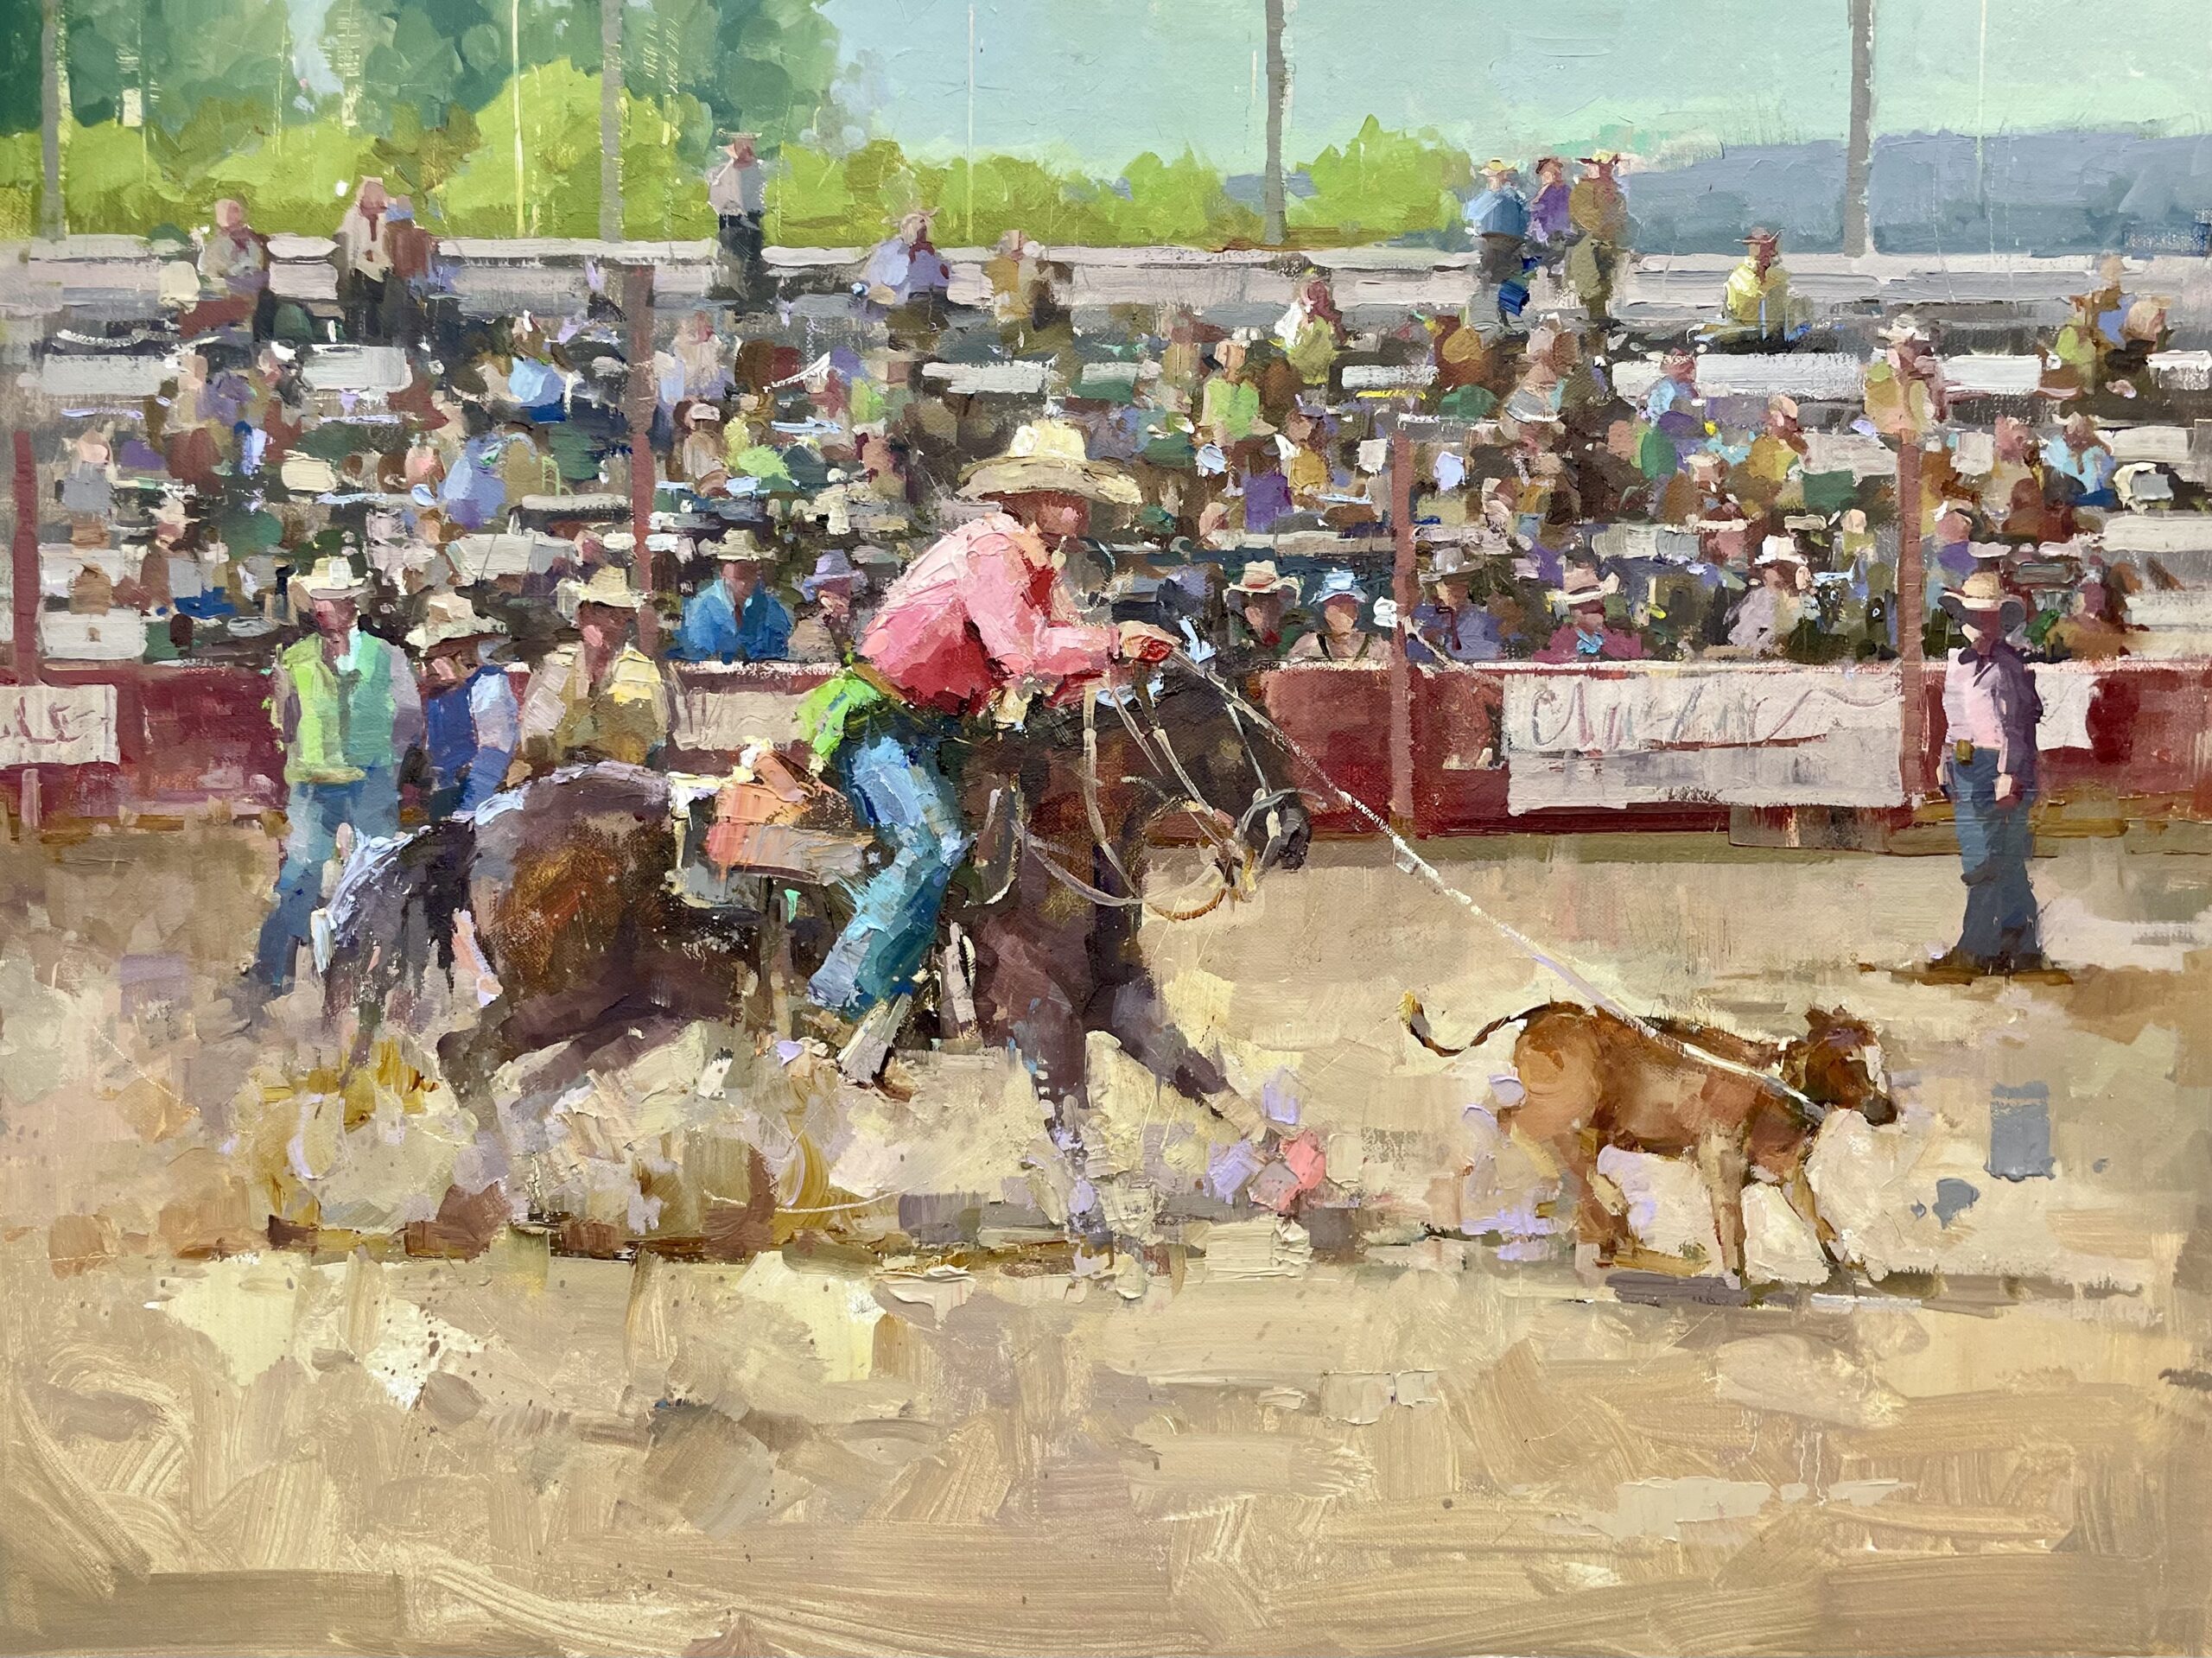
(947, 826)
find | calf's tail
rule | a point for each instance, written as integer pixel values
(1415, 1017)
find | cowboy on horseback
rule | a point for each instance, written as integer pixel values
(975, 628)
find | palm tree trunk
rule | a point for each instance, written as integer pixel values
(610, 120)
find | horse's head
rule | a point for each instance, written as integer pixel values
(1236, 768)
(1838, 1063)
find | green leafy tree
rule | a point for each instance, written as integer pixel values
(821, 200)
(662, 196)
(1183, 201)
(20, 24)
(1382, 184)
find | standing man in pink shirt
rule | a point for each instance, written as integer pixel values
(976, 626)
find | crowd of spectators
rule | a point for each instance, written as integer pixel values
(1577, 496)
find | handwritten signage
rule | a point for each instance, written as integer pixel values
(57, 725)
(1734, 735)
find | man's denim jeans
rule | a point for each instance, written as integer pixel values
(893, 773)
(315, 813)
(1995, 845)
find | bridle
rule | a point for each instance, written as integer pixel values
(1236, 863)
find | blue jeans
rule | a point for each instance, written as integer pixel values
(892, 770)
(1995, 845)
(313, 813)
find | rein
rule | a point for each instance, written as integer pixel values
(1226, 846)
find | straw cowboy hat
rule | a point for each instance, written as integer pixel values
(1906, 329)
(1583, 587)
(450, 617)
(1982, 597)
(740, 547)
(1762, 237)
(330, 578)
(1261, 576)
(1048, 457)
(1602, 158)
(1497, 166)
(608, 585)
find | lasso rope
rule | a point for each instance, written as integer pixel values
(1413, 864)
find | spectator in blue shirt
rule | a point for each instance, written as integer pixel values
(1498, 221)
(2082, 457)
(735, 618)
(470, 717)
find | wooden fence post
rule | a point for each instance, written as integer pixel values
(643, 399)
(1912, 621)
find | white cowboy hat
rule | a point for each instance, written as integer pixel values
(1338, 584)
(1583, 586)
(1386, 615)
(449, 617)
(1780, 550)
(331, 577)
(1447, 561)
(1049, 457)
(608, 585)
(1989, 552)
(1907, 326)
(1261, 575)
(1981, 596)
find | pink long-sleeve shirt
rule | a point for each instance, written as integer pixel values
(982, 611)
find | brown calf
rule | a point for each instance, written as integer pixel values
(1591, 1079)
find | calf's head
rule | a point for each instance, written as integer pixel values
(1837, 1063)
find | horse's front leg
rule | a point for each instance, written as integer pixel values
(1032, 986)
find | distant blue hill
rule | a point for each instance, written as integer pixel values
(2035, 192)
(2038, 193)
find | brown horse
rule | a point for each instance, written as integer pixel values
(1591, 1079)
(568, 881)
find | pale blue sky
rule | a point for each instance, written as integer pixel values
(1103, 79)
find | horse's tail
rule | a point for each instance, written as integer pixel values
(393, 911)
(1415, 1017)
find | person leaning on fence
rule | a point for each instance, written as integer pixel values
(1756, 302)
(735, 617)
(1991, 711)
(1452, 627)
(831, 631)
(1587, 637)
(601, 698)
(346, 705)
(1340, 604)
(471, 720)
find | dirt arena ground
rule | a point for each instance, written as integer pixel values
(1421, 1430)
